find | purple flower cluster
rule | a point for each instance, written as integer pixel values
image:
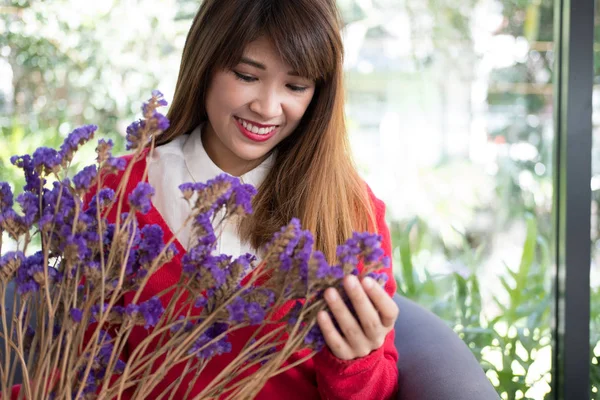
(291, 249)
(76, 314)
(46, 160)
(100, 200)
(7, 214)
(370, 247)
(9, 263)
(76, 138)
(139, 199)
(151, 311)
(6, 196)
(139, 132)
(314, 338)
(84, 179)
(242, 311)
(33, 182)
(31, 273)
(30, 206)
(222, 191)
(211, 343)
(151, 244)
(99, 367)
(324, 270)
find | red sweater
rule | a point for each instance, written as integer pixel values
(374, 377)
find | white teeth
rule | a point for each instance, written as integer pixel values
(255, 129)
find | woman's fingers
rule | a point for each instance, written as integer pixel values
(349, 326)
(384, 304)
(336, 343)
(365, 310)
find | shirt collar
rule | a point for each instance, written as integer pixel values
(202, 168)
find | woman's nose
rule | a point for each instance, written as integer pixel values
(267, 104)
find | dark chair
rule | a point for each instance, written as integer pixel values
(433, 364)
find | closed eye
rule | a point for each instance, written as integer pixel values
(296, 88)
(244, 78)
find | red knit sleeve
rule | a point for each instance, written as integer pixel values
(374, 377)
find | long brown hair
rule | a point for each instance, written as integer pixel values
(313, 178)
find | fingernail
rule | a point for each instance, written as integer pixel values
(352, 281)
(368, 282)
(331, 295)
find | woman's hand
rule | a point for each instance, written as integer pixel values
(376, 311)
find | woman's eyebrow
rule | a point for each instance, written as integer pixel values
(256, 64)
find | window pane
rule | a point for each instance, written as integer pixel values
(450, 106)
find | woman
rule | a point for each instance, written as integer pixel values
(259, 96)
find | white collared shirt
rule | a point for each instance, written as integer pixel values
(183, 160)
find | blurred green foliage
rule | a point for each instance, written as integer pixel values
(508, 340)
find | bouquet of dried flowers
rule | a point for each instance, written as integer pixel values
(67, 329)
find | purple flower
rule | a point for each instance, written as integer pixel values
(314, 338)
(116, 163)
(157, 94)
(30, 205)
(152, 310)
(11, 256)
(201, 301)
(294, 313)
(187, 189)
(242, 198)
(28, 270)
(85, 178)
(139, 199)
(157, 100)
(74, 247)
(106, 347)
(380, 277)
(9, 262)
(6, 196)
(256, 314)
(151, 244)
(104, 150)
(104, 197)
(177, 326)
(323, 268)
(75, 139)
(95, 309)
(162, 122)
(218, 273)
(347, 253)
(203, 346)
(45, 159)
(237, 310)
(133, 134)
(76, 314)
(370, 246)
(204, 226)
(196, 255)
(32, 178)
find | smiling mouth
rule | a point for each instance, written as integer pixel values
(257, 130)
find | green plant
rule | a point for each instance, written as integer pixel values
(508, 335)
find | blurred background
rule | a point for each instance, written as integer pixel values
(450, 111)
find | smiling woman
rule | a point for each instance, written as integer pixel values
(253, 107)
(259, 96)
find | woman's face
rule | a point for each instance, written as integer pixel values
(253, 107)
